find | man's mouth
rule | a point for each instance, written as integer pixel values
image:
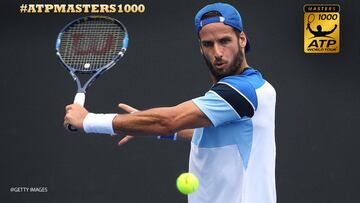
(219, 65)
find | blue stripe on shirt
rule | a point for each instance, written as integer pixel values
(237, 100)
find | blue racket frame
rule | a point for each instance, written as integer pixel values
(98, 72)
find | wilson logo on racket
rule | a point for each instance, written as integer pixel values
(96, 47)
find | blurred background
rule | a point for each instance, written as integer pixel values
(317, 118)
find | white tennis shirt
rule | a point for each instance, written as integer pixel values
(234, 159)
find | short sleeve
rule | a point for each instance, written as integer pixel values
(215, 108)
(228, 101)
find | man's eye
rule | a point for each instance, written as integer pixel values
(207, 44)
(224, 41)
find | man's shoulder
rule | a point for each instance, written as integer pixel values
(249, 78)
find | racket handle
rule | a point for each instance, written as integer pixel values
(79, 99)
(71, 128)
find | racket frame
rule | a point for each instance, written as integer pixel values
(81, 89)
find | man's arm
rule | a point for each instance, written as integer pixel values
(181, 135)
(185, 134)
(161, 121)
(157, 121)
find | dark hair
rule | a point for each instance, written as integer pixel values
(211, 14)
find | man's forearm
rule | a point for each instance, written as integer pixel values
(161, 121)
(158, 121)
(185, 134)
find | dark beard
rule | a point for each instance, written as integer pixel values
(233, 68)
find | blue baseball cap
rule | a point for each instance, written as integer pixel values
(229, 16)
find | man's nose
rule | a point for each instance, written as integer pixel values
(218, 52)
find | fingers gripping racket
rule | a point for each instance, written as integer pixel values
(90, 45)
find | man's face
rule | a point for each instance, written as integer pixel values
(220, 47)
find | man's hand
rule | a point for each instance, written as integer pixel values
(128, 109)
(75, 115)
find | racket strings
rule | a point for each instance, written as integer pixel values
(90, 45)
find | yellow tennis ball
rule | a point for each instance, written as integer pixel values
(187, 183)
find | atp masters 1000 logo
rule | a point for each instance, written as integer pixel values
(321, 28)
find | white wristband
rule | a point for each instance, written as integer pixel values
(99, 123)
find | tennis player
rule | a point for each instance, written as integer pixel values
(231, 127)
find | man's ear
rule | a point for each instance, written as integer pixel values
(200, 47)
(243, 40)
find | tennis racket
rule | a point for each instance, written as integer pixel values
(90, 45)
(310, 19)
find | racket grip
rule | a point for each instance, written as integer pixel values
(71, 128)
(79, 99)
